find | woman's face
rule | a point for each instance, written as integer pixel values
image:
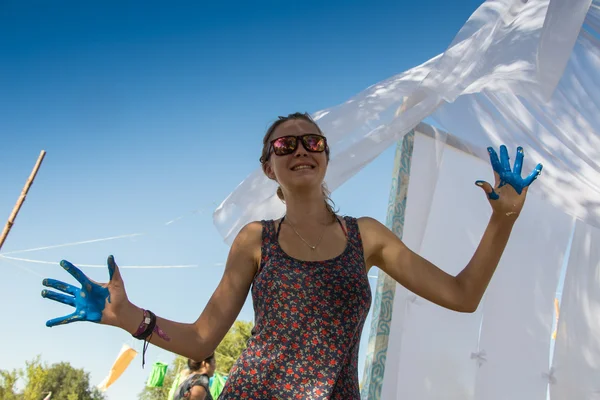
(301, 168)
(211, 367)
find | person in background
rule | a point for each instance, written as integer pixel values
(196, 385)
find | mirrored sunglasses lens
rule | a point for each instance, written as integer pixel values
(314, 143)
(284, 145)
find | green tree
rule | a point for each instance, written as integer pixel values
(63, 380)
(228, 351)
(232, 345)
(8, 381)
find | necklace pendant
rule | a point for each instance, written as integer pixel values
(313, 247)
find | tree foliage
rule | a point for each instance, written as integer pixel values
(232, 345)
(39, 379)
(8, 382)
(228, 351)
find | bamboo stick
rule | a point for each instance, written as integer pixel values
(15, 211)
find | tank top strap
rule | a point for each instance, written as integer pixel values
(339, 220)
(353, 234)
(269, 234)
(269, 239)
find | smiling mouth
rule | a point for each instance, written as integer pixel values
(302, 167)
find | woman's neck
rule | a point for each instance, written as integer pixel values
(313, 213)
(307, 208)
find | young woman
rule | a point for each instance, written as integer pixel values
(196, 384)
(308, 275)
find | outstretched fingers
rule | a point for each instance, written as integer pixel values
(75, 272)
(534, 174)
(73, 317)
(62, 286)
(112, 267)
(494, 160)
(61, 298)
(504, 159)
(518, 161)
(488, 189)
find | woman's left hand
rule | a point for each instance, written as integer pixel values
(507, 196)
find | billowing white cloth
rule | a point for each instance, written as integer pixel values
(430, 348)
(576, 361)
(487, 88)
(502, 350)
(518, 308)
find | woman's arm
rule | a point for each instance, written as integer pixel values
(464, 291)
(108, 303)
(460, 293)
(199, 339)
(197, 393)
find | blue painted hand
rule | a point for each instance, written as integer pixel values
(508, 200)
(92, 300)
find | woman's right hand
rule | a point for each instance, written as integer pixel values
(94, 302)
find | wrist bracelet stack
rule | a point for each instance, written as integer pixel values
(145, 331)
(146, 326)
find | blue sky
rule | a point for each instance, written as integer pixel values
(135, 104)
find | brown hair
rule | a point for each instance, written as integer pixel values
(196, 365)
(267, 147)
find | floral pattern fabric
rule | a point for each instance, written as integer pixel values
(309, 317)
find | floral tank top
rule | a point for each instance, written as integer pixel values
(309, 317)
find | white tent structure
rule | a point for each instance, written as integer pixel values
(522, 73)
(418, 350)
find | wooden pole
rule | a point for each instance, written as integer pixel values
(15, 211)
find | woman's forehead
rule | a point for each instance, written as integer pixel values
(295, 127)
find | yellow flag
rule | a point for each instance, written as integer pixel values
(126, 355)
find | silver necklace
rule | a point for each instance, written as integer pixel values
(305, 242)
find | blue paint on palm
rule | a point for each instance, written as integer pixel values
(89, 300)
(507, 177)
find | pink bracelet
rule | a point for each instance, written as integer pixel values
(146, 320)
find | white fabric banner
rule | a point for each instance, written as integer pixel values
(501, 351)
(507, 48)
(518, 310)
(421, 188)
(437, 356)
(576, 361)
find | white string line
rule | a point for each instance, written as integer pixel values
(103, 265)
(72, 243)
(21, 267)
(197, 211)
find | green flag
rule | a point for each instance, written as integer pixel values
(157, 375)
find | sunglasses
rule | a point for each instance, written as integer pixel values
(312, 142)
